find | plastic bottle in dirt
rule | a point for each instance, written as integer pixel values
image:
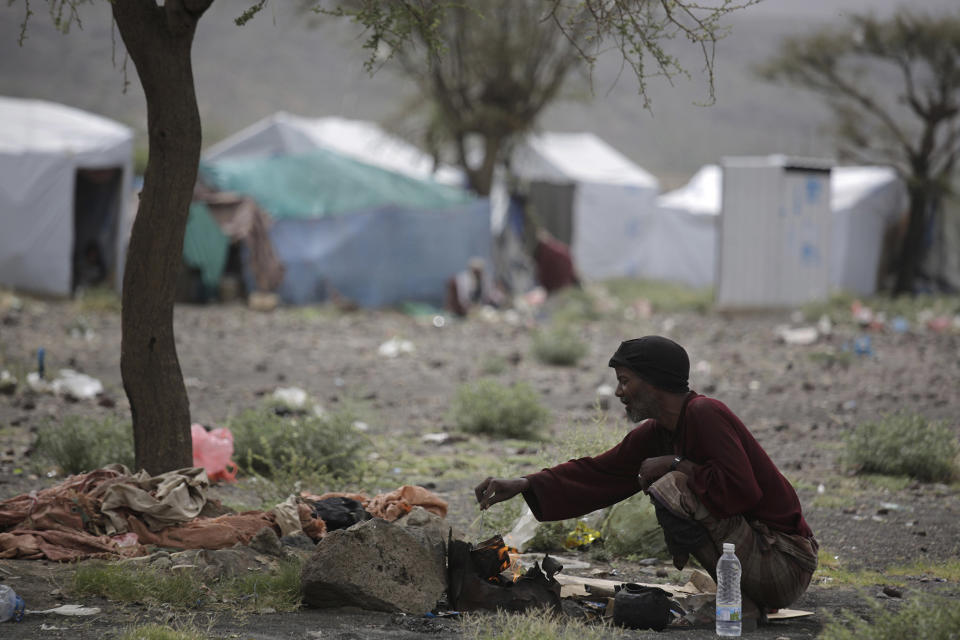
(728, 593)
(11, 605)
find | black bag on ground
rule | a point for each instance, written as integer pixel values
(338, 513)
(638, 607)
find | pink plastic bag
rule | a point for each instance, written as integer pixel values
(212, 450)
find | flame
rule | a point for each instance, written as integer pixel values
(508, 559)
(508, 564)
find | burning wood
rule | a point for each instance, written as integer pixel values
(486, 578)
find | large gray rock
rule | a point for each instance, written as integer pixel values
(432, 532)
(373, 565)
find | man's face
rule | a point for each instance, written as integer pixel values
(637, 396)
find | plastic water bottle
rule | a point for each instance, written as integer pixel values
(729, 611)
(11, 605)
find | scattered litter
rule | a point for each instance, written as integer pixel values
(523, 531)
(37, 383)
(604, 396)
(212, 450)
(799, 336)
(939, 324)
(863, 346)
(900, 324)
(439, 321)
(821, 489)
(129, 539)
(76, 385)
(436, 438)
(754, 385)
(194, 383)
(8, 383)
(70, 610)
(825, 325)
(581, 536)
(703, 368)
(361, 426)
(394, 347)
(292, 397)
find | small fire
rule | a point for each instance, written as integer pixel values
(504, 562)
(508, 564)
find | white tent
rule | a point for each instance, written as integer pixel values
(589, 195)
(865, 201)
(284, 133)
(65, 179)
(681, 245)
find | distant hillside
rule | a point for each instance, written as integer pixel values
(276, 62)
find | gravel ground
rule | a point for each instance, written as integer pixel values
(798, 400)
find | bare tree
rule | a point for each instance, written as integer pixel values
(894, 88)
(491, 67)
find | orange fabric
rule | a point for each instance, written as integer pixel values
(64, 522)
(313, 527)
(61, 546)
(17, 509)
(399, 502)
(393, 505)
(206, 533)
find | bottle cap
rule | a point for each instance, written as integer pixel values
(728, 547)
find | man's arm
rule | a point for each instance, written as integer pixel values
(655, 468)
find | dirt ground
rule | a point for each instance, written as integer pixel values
(799, 401)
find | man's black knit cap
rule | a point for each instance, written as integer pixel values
(657, 360)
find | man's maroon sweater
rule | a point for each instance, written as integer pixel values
(735, 476)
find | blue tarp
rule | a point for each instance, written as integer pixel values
(375, 237)
(381, 257)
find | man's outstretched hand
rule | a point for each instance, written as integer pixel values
(494, 490)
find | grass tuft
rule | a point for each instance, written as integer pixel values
(80, 443)
(665, 297)
(289, 451)
(534, 625)
(278, 588)
(903, 445)
(99, 299)
(491, 408)
(928, 618)
(559, 345)
(159, 632)
(831, 573)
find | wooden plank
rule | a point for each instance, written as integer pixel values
(610, 585)
(788, 614)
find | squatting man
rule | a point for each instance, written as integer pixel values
(709, 480)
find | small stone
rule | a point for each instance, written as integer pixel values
(892, 592)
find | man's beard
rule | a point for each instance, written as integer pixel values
(638, 410)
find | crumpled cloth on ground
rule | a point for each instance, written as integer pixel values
(396, 504)
(70, 520)
(160, 501)
(206, 533)
(61, 546)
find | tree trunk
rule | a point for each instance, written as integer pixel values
(158, 40)
(481, 178)
(911, 249)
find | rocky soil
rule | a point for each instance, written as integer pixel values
(799, 400)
